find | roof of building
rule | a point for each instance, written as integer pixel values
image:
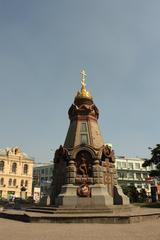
(11, 151)
(130, 158)
(38, 165)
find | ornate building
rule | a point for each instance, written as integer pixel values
(15, 173)
(84, 167)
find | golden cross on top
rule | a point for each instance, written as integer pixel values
(83, 76)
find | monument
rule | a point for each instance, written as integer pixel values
(84, 167)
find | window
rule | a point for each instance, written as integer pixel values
(14, 182)
(1, 165)
(46, 171)
(119, 165)
(42, 179)
(14, 167)
(26, 183)
(84, 138)
(119, 174)
(138, 176)
(2, 181)
(84, 133)
(83, 127)
(131, 175)
(137, 165)
(124, 174)
(10, 182)
(25, 169)
(42, 171)
(123, 164)
(130, 165)
(22, 183)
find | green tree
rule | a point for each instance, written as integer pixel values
(142, 195)
(131, 192)
(155, 159)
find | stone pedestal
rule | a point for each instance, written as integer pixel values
(67, 197)
(100, 196)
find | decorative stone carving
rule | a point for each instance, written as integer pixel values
(61, 154)
(14, 151)
(84, 190)
(83, 109)
(84, 163)
(108, 153)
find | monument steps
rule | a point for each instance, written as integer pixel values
(136, 215)
(62, 210)
(68, 211)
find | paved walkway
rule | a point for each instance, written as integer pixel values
(48, 231)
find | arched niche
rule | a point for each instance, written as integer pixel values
(84, 163)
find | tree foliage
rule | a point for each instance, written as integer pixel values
(155, 159)
(142, 195)
(135, 195)
(131, 192)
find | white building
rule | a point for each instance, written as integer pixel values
(131, 172)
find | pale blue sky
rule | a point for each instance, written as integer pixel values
(43, 47)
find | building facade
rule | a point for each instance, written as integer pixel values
(16, 169)
(42, 176)
(131, 172)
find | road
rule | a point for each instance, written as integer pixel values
(45, 231)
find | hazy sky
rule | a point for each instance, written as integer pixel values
(43, 47)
